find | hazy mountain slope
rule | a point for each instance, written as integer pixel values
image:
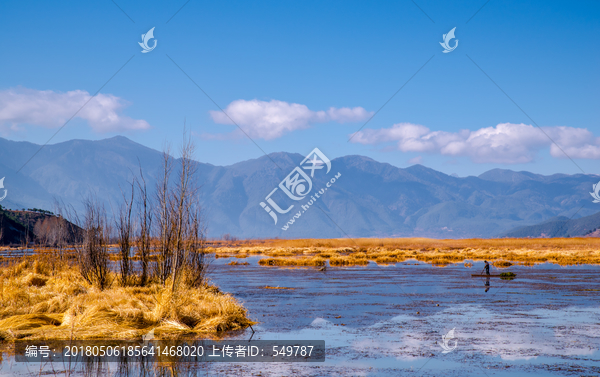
(73, 169)
(558, 227)
(22, 191)
(369, 199)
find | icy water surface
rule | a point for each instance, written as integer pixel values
(388, 321)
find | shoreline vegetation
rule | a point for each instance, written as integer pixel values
(359, 252)
(48, 295)
(45, 299)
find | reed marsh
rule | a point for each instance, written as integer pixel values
(42, 298)
(356, 252)
(293, 261)
(43, 301)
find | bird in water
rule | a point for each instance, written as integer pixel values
(324, 268)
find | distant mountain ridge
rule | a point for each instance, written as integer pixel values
(370, 199)
(559, 227)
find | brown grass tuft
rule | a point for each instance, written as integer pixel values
(32, 279)
(386, 260)
(352, 260)
(296, 261)
(502, 264)
(61, 306)
(236, 263)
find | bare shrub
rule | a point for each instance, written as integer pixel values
(197, 262)
(124, 230)
(163, 220)
(145, 222)
(181, 255)
(93, 258)
(228, 237)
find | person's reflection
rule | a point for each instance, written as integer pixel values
(487, 284)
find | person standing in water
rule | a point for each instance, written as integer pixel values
(487, 267)
(487, 272)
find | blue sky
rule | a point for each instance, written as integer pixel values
(257, 59)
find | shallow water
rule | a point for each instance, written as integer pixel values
(16, 253)
(388, 320)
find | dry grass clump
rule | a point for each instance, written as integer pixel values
(235, 250)
(502, 264)
(280, 253)
(386, 260)
(349, 260)
(60, 304)
(33, 279)
(296, 261)
(236, 263)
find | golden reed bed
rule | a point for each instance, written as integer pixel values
(52, 301)
(352, 252)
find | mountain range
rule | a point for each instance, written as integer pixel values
(367, 199)
(561, 226)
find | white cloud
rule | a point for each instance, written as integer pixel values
(52, 109)
(506, 143)
(270, 120)
(575, 142)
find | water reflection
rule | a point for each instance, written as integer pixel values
(123, 368)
